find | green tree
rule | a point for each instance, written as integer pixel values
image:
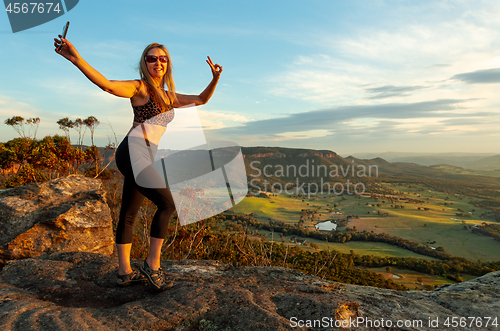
(21, 151)
(79, 126)
(7, 157)
(33, 122)
(65, 153)
(26, 174)
(65, 124)
(18, 122)
(92, 153)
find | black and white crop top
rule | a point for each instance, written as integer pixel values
(152, 113)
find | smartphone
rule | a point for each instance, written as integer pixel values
(65, 31)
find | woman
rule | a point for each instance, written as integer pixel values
(149, 99)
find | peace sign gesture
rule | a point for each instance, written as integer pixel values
(216, 68)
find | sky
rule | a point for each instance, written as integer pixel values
(346, 76)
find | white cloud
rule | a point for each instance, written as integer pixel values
(398, 55)
(212, 120)
(10, 107)
(300, 135)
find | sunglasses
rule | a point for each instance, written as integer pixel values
(153, 59)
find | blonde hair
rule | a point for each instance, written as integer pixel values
(167, 78)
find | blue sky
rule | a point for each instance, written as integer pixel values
(351, 77)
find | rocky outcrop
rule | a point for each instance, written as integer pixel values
(69, 291)
(267, 155)
(315, 153)
(62, 215)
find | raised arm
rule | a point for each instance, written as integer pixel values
(203, 97)
(125, 89)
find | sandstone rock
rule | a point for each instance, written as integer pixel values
(70, 291)
(65, 214)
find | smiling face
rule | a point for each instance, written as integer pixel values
(156, 73)
(158, 68)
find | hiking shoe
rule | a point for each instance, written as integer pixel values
(134, 277)
(156, 277)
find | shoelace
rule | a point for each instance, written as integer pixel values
(160, 279)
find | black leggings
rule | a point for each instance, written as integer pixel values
(133, 194)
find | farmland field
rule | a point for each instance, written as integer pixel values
(361, 248)
(409, 278)
(462, 171)
(435, 224)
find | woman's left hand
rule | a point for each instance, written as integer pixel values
(216, 68)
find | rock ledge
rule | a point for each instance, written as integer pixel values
(75, 290)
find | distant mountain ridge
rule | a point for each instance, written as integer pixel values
(474, 161)
(391, 163)
(274, 157)
(257, 152)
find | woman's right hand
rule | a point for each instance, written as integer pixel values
(124, 89)
(68, 51)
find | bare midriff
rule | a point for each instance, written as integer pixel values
(149, 132)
